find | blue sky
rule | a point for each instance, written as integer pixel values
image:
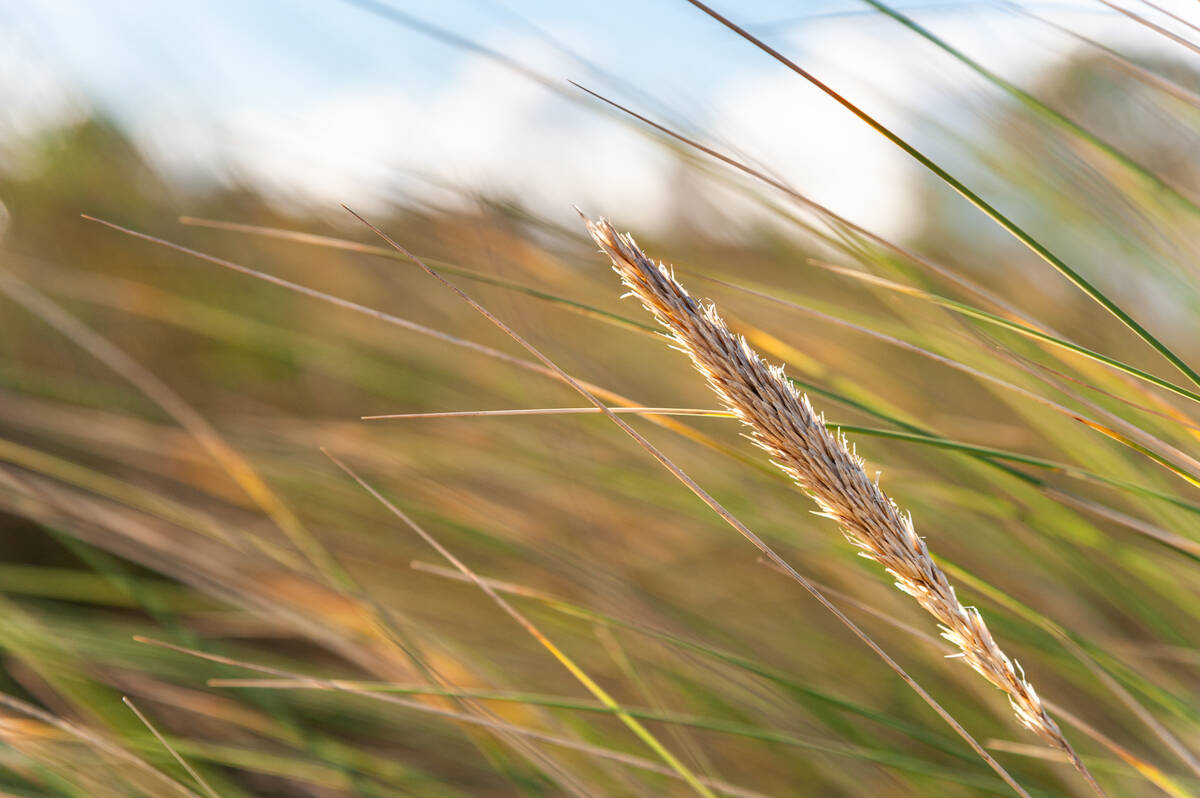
(324, 100)
(224, 52)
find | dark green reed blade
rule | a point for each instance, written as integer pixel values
(991, 212)
(979, 314)
(1015, 457)
(1041, 109)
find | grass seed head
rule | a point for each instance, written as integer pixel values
(784, 424)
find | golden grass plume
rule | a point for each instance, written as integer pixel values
(784, 424)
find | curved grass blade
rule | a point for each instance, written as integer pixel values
(1126, 440)
(833, 218)
(98, 742)
(421, 329)
(924, 439)
(1007, 224)
(240, 469)
(1057, 118)
(640, 731)
(347, 245)
(979, 314)
(183, 763)
(103, 485)
(1118, 60)
(1159, 29)
(215, 445)
(1150, 772)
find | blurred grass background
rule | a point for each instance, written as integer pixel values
(125, 515)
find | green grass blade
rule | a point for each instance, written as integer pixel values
(1044, 111)
(991, 212)
(979, 314)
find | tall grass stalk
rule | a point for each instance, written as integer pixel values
(784, 424)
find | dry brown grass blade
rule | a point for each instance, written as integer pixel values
(474, 720)
(1159, 29)
(1175, 541)
(718, 508)
(1172, 15)
(183, 763)
(1167, 411)
(420, 329)
(1152, 773)
(98, 742)
(242, 472)
(784, 424)
(580, 675)
(165, 397)
(557, 411)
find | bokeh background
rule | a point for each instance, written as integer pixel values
(162, 417)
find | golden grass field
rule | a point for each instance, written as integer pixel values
(218, 578)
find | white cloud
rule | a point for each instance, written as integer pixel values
(366, 140)
(490, 131)
(36, 96)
